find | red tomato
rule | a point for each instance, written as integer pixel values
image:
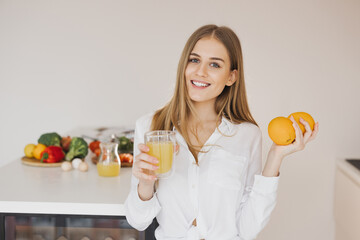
(94, 145)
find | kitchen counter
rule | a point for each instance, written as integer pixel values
(43, 190)
(48, 203)
(349, 170)
(347, 199)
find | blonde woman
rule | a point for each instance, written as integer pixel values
(218, 189)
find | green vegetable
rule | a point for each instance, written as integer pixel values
(50, 139)
(125, 145)
(78, 148)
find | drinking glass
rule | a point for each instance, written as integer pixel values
(161, 145)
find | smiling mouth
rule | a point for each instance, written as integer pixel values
(199, 84)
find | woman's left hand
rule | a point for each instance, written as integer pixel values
(278, 152)
(300, 141)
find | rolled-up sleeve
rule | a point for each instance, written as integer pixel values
(139, 213)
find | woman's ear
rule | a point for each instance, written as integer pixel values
(232, 78)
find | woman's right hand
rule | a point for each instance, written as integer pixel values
(144, 166)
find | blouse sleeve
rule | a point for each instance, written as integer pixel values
(139, 213)
(259, 198)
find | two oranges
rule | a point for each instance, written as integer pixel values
(281, 129)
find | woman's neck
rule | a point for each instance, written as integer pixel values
(199, 130)
(206, 113)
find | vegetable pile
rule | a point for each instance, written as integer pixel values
(53, 148)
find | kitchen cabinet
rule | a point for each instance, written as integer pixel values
(347, 201)
(48, 203)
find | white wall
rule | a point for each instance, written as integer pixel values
(66, 64)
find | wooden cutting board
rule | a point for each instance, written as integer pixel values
(126, 164)
(36, 163)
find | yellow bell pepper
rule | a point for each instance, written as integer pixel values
(38, 150)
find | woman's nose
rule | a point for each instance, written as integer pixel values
(201, 70)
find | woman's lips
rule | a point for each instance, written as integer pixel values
(199, 84)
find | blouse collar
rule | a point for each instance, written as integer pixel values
(224, 125)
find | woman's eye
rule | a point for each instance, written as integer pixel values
(193, 60)
(215, 65)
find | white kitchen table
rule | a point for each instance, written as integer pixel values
(43, 192)
(49, 190)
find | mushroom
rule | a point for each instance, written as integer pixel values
(83, 167)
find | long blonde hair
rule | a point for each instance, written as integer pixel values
(231, 103)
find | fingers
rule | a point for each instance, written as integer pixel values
(143, 148)
(147, 158)
(299, 139)
(308, 130)
(144, 170)
(177, 147)
(145, 165)
(144, 174)
(314, 133)
(298, 132)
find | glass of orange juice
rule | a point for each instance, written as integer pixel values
(161, 145)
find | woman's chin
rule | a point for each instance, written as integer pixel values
(199, 99)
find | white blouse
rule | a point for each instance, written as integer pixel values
(226, 193)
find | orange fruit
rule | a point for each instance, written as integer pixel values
(307, 117)
(281, 131)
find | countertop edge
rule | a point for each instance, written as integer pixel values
(99, 209)
(349, 170)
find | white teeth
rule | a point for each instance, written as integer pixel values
(198, 84)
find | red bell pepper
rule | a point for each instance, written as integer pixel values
(52, 154)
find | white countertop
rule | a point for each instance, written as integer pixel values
(346, 201)
(27, 189)
(349, 170)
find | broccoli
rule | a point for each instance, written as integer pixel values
(50, 139)
(78, 148)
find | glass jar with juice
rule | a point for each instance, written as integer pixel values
(109, 162)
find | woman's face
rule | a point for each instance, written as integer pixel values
(208, 71)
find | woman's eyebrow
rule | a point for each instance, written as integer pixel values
(212, 58)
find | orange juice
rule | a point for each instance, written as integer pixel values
(163, 151)
(109, 169)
